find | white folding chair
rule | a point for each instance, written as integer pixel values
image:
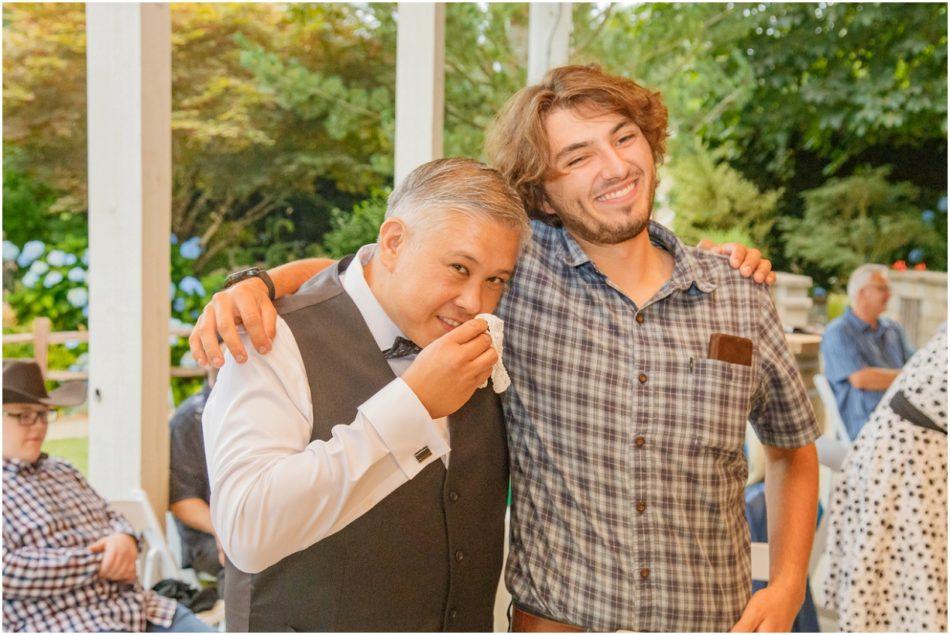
(156, 561)
(502, 597)
(834, 424)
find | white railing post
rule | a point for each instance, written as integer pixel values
(128, 53)
(420, 85)
(549, 38)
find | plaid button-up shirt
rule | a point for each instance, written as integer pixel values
(626, 440)
(50, 578)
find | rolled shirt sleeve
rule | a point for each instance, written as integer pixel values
(782, 414)
(273, 491)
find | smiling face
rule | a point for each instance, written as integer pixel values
(441, 275)
(603, 177)
(20, 441)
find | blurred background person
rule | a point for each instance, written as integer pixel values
(888, 514)
(69, 560)
(189, 493)
(863, 351)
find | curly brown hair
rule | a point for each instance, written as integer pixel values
(517, 144)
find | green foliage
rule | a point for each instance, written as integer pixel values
(351, 230)
(76, 451)
(713, 200)
(863, 218)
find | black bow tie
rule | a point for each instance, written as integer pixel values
(401, 348)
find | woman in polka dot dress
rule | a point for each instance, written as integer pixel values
(888, 514)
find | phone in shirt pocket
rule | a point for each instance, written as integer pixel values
(720, 388)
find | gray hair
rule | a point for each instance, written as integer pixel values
(860, 278)
(445, 187)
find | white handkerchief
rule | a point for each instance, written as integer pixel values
(496, 329)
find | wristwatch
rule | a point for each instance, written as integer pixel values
(253, 272)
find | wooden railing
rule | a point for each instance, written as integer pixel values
(42, 337)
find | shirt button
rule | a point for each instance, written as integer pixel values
(642, 378)
(640, 318)
(639, 441)
(453, 496)
(644, 573)
(641, 506)
(459, 555)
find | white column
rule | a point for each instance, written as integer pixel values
(549, 38)
(128, 54)
(420, 85)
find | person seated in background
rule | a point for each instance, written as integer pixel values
(189, 494)
(887, 521)
(68, 558)
(863, 351)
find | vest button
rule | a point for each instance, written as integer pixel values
(459, 555)
(453, 614)
(453, 496)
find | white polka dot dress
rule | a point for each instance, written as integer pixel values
(888, 513)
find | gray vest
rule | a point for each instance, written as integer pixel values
(429, 555)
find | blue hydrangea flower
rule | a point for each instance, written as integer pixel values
(916, 255)
(179, 304)
(85, 311)
(929, 215)
(173, 239)
(52, 279)
(942, 204)
(76, 274)
(78, 296)
(39, 267)
(30, 279)
(187, 361)
(191, 248)
(30, 252)
(85, 257)
(171, 290)
(72, 344)
(71, 259)
(191, 286)
(10, 251)
(57, 258)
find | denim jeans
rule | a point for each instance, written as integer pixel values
(184, 621)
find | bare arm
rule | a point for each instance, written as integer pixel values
(195, 513)
(873, 378)
(791, 494)
(247, 303)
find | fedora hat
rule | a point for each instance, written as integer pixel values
(23, 383)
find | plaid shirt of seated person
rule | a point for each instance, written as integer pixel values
(50, 577)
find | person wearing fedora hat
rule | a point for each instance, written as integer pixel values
(68, 557)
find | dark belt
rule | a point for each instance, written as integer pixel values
(524, 622)
(909, 412)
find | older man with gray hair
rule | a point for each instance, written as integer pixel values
(862, 350)
(358, 484)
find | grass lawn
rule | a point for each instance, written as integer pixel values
(76, 451)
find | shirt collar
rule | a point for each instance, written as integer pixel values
(860, 324)
(19, 466)
(384, 330)
(687, 274)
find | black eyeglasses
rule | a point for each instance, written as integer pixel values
(29, 418)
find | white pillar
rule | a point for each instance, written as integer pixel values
(128, 54)
(420, 85)
(549, 38)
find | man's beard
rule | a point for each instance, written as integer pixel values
(582, 225)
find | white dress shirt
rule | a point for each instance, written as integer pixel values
(273, 491)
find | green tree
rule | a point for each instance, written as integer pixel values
(863, 218)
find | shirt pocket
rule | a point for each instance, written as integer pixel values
(720, 398)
